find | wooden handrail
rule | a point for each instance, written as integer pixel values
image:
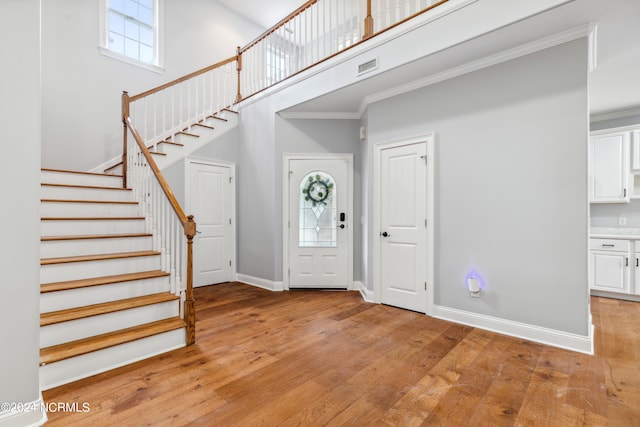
(182, 79)
(280, 23)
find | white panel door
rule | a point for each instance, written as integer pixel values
(318, 220)
(210, 196)
(403, 257)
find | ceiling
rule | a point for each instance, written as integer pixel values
(614, 84)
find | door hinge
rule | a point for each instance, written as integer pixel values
(425, 223)
(625, 193)
(289, 224)
(425, 286)
(289, 272)
(229, 263)
(290, 173)
(230, 179)
(229, 221)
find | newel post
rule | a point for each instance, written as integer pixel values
(189, 302)
(125, 116)
(368, 22)
(239, 68)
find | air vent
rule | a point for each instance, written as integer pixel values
(367, 66)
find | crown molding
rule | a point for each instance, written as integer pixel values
(617, 114)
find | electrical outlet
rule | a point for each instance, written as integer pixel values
(622, 220)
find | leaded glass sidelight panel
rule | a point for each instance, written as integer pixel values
(318, 211)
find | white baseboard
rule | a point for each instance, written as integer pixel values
(579, 343)
(367, 295)
(24, 414)
(260, 283)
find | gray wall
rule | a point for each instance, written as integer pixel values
(20, 219)
(511, 184)
(82, 87)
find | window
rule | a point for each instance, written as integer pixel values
(130, 30)
(318, 217)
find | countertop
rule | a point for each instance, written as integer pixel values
(615, 232)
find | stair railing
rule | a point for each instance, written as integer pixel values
(172, 230)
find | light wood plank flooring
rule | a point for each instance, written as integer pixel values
(311, 358)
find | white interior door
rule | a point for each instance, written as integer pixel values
(319, 223)
(211, 204)
(403, 257)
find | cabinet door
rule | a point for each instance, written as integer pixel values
(635, 159)
(610, 271)
(609, 168)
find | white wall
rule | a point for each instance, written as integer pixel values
(82, 87)
(511, 184)
(20, 214)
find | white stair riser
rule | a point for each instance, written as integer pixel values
(78, 227)
(62, 300)
(95, 325)
(60, 209)
(89, 269)
(170, 149)
(68, 370)
(67, 248)
(51, 177)
(73, 193)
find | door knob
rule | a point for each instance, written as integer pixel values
(385, 234)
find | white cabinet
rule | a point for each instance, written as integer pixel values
(610, 265)
(609, 167)
(636, 267)
(635, 155)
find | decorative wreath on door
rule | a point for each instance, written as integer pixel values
(318, 189)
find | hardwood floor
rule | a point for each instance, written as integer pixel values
(327, 358)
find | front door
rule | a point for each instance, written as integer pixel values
(403, 222)
(210, 203)
(318, 223)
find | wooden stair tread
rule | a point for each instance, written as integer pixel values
(230, 110)
(182, 132)
(218, 118)
(93, 187)
(99, 342)
(92, 218)
(79, 172)
(100, 257)
(54, 317)
(113, 167)
(171, 143)
(97, 281)
(157, 154)
(104, 202)
(203, 126)
(93, 236)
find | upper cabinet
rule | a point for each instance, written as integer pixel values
(609, 167)
(635, 158)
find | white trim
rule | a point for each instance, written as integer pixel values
(367, 295)
(147, 66)
(611, 115)
(579, 343)
(488, 61)
(258, 282)
(188, 161)
(429, 140)
(286, 158)
(615, 295)
(319, 115)
(33, 414)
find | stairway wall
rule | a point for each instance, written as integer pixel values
(19, 224)
(72, 67)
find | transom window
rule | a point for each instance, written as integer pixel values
(131, 29)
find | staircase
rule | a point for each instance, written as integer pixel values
(185, 142)
(105, 301)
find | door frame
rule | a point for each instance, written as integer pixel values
(429, 139)
(286, 158)
(188, 162)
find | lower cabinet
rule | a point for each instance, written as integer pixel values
(610, 272)
(615, 265)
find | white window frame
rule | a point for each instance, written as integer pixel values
(158, 24)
